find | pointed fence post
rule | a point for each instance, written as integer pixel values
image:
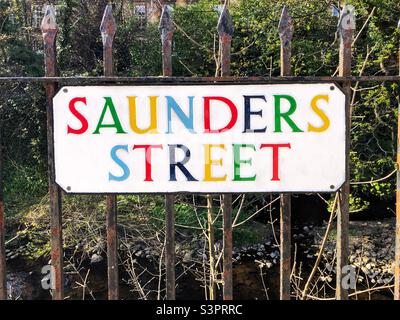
(397, 252)
(108, 29)
(49, 31)
(3, 271)
(166, 28)
(346, 32)
(285, 35)
(225, 32)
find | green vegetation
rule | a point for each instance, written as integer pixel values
(255, 51)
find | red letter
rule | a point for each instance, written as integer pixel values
(78, 115)
(232, 107)
(275, 157)
(147, 149)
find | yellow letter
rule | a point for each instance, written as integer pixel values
(209, 162)
(320, 113)
(152, 128)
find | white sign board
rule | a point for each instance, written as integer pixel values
(200, 138)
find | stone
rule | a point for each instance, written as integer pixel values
(273, 254)
(139, 253)
(328, 267)
(187, 257)
(95, 258)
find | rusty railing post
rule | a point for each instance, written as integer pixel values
(397, 252)
(49, 31)
(285, 35)
(166, 28)
(108, 29)
(225, 32)
(211, 249)
(346, 31)
(3, 271)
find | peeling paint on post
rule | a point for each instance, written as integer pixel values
(211, 248)
(228, 242)
(170, 247)
(49, 31)
(225, 32)
(397, 252)
(3, 271)
(346, 32)
(166, 28)
(108, 28)
(285, 35)
(285, 29)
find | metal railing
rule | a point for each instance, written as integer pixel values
(225, 30)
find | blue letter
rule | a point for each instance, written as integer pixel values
(186, 120)
(173, 163)
(119, 162)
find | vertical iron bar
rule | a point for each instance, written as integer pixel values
(170, 247)
(346, 30)
(227, 227)
(49, 30)
(211, 249)
(3, 271)
(225, 32)
(285, 35)
(397, 252)
(166, 28)
(108, 29)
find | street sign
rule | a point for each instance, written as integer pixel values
(208, 138)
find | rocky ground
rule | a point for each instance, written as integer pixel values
(372, 247)
(256, 266)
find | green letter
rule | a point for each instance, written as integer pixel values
(116, 124)
(285, 115)
(237, 162)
